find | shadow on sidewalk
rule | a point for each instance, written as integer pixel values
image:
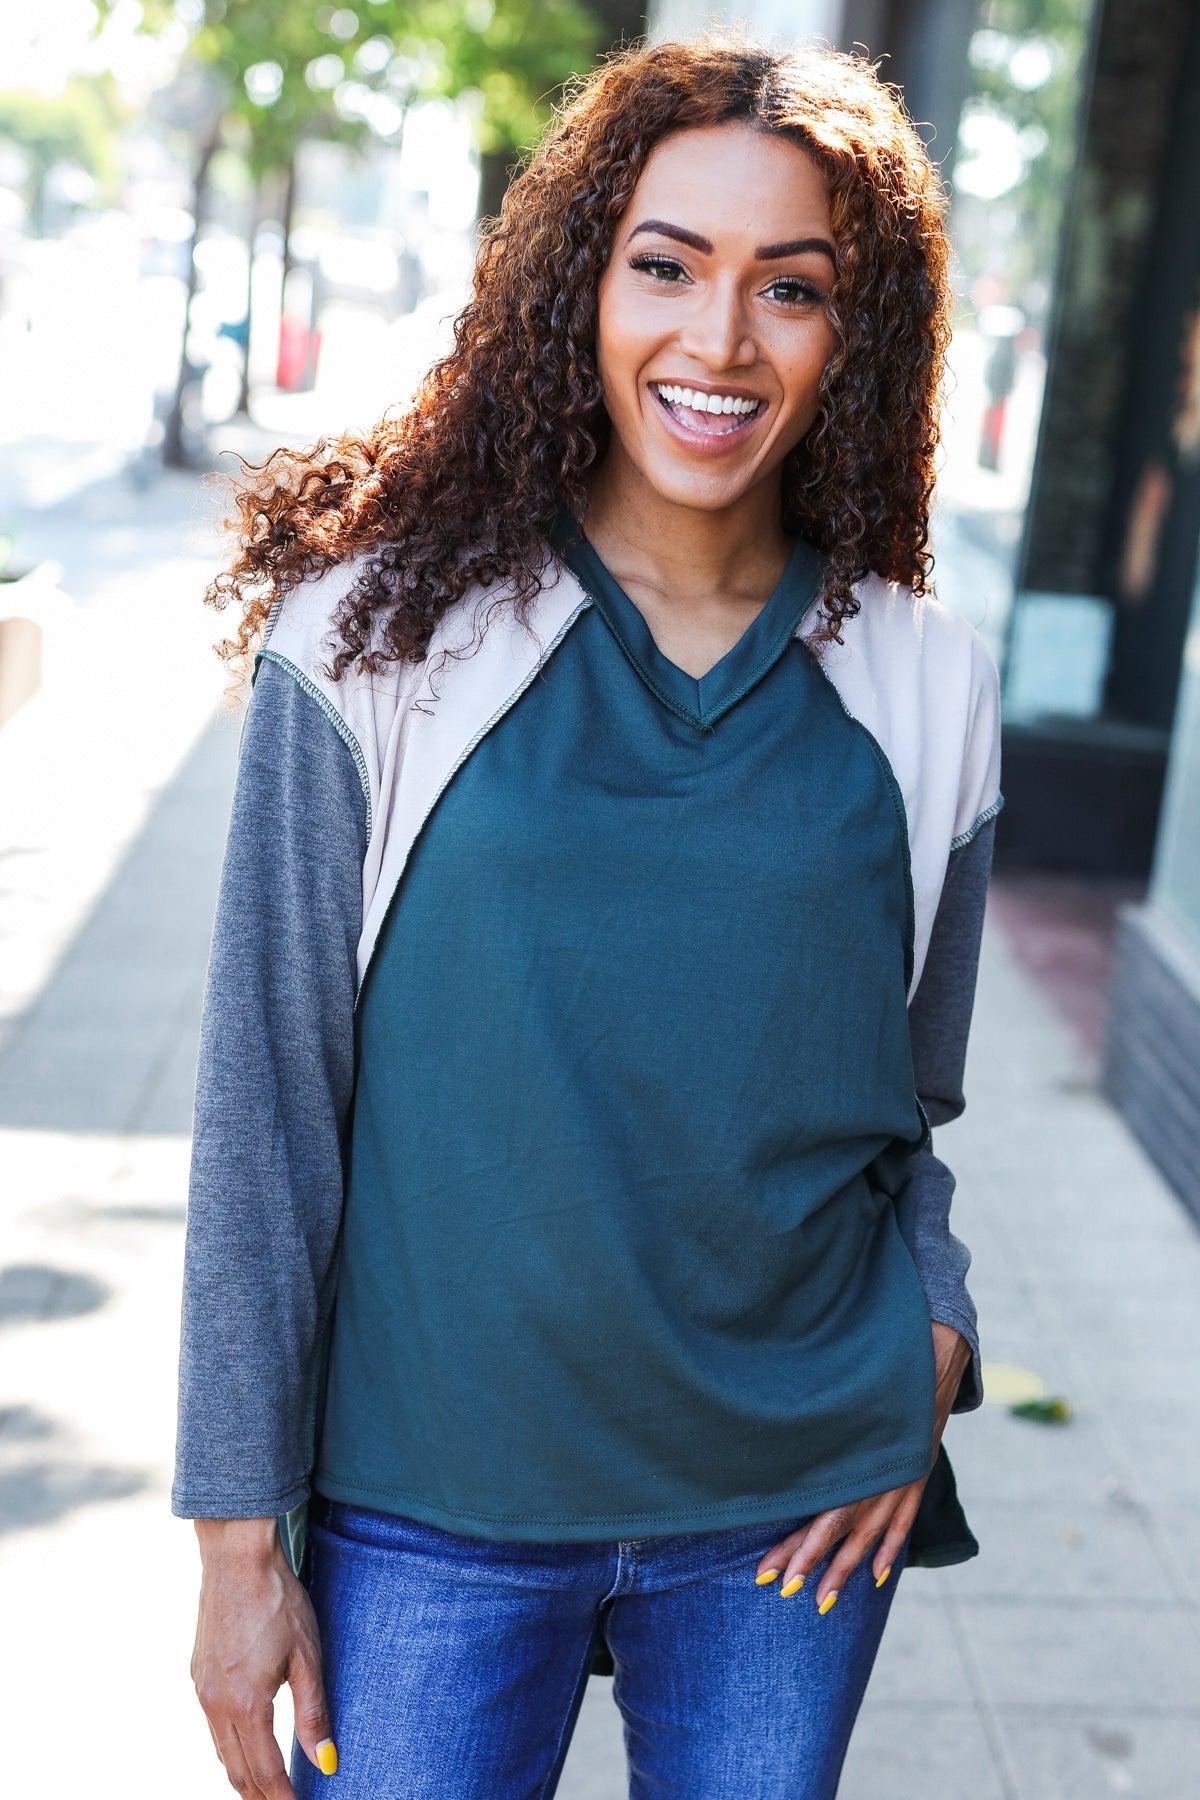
(46, 1479)
(30, 1291)
(109, 1045)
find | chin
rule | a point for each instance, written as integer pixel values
(682, 488)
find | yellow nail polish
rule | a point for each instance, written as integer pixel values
(827, 1602)
(327, 1756)
(767, 1575)
(791, 1587)
(884, 1576)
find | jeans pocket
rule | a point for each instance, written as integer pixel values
(381, 1530)
(410, 1537)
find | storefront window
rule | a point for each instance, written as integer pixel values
(1017, 144)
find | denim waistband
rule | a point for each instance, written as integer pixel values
(672, 1557)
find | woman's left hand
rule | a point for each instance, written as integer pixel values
(882, 1521)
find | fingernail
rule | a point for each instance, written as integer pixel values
(327, 1756)
(791, 1587)
(827, 1602)
(767, 1575)
(884, 1576)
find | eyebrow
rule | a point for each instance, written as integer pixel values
(764, 253)
(795, 247)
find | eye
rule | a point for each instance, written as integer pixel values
(794, 290)
(662, 268)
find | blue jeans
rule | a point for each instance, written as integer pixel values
(455, 1666)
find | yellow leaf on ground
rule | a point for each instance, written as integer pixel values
(1007, 1384)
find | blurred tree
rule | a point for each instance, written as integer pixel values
(75, 126)
(270, 76)
(287, 81)
(1027, 58)
(262, 77)
(516, 54)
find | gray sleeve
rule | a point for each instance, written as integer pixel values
(939, 1024)
(273, 1093)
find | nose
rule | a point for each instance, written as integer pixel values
(717, 331)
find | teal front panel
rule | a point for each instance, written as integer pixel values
(634, 1034)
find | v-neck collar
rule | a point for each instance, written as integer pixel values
(699, 700)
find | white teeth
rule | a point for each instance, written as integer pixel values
(705, 403)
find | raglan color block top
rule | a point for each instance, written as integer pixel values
(641, 1229)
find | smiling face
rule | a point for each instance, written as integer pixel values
(713, 331)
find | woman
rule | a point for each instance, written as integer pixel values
(596, 940)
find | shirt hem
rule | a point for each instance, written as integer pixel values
(565, 1528)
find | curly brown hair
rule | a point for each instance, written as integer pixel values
(464, 486)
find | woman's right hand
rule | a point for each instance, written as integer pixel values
(257, 1630)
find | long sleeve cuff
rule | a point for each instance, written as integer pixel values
(942, 1262)
(194, 1500)
(970, 1388)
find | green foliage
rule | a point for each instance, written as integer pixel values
(258, 54)
(1049, 108)
(516, 53)
(77, 125)
(277, 70)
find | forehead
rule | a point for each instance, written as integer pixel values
(732, 183)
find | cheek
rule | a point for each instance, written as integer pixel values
(625, 339)
(803, 363)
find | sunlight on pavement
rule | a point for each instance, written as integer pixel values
(103, 1579)
(130, 683)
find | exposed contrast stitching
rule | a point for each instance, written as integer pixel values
(453, 771)
(785, 1501)
(985, 818)
(272, 617)
(335, 718)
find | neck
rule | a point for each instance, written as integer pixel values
(687, 552)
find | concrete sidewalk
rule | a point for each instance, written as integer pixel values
(1063, 1664)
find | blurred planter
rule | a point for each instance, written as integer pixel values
(20, 663)
(25, 602)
